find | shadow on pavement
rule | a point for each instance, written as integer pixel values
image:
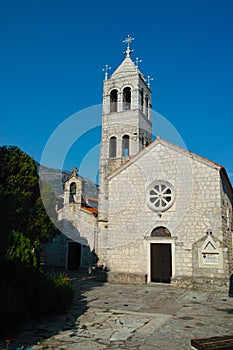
(46, 327)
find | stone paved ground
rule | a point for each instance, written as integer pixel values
(143, 317)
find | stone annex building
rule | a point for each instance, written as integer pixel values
(164, 213)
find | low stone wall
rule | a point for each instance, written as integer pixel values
(198, 283)
(129, 278)
(202, 283)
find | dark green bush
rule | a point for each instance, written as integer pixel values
(21, 250)
(27, 293)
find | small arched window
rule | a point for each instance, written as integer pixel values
(160, 231)
(112, 147)
(127, 98)
(72, 197)
(125, 146)
(147, 106)
(113, 101)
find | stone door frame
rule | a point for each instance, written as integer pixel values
(165, 240)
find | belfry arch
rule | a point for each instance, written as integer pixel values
(112, 147)
(113, 100)
(127, 98)
(72, 195)
(125, 146)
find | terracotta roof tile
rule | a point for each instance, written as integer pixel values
(90, 210)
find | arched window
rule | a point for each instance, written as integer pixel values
(113, 101)
(143, 141)
(147, 106)
(125, 146)
(160, 231)
(72, 192)
(142, 99)
(229, 213)
(127, 98)
(112, 147)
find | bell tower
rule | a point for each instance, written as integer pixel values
(126, 118)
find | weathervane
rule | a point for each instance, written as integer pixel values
(149, 79)
(106, 68)
(137, 61)
(128, 41)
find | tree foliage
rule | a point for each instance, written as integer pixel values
(21, 250)
(21, 207)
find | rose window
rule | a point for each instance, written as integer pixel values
(161, 196)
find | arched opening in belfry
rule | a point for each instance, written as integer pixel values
(143, 142)
(72, 196)
(127, 98)
(113, 101)
(125, 146)
(141, 99)
(147, 106)
(160, 231)
(112, 147)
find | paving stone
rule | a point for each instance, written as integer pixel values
(122, 335)
(144, 328)
(86, 345)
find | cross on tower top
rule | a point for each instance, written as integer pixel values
(106, 68)
(128, 41)
(137, 61)
(149, 78)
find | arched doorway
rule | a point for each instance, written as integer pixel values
(161, 256)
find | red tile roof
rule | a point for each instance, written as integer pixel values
(90, 210)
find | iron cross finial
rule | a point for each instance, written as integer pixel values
(128, 41)
(105, 69)
(137, 61)
(149, 79)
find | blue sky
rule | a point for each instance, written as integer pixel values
(53, 52)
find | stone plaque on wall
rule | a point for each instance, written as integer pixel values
(210, 258)
(210, 254)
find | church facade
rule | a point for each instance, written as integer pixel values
(164, 213)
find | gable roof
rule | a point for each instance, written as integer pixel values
(157, 141)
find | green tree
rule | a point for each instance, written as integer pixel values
(21, 250)
(21, 207)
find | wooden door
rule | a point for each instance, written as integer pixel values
(74, 255)
(161, 262)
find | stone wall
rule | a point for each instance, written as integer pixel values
(227, 217)
(79, 225)
(197, 208)
(55, 252)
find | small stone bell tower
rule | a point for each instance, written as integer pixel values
(126, 119)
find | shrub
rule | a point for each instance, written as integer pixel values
(21, 250)
(27, 293)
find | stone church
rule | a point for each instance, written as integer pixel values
(164, 213)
